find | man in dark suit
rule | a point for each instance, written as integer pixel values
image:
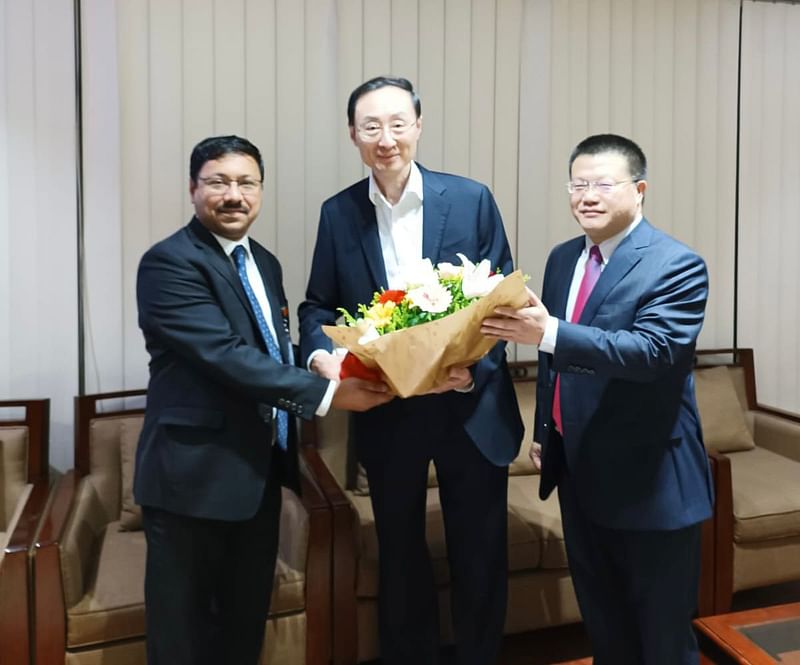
(217, 441)
(470, 428)
(621, 309)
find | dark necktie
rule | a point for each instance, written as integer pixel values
(269, 340)
(591, 273)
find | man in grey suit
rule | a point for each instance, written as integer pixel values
(621, 308)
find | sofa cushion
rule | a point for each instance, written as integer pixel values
(289, 587)
(543, 517)
(721, 414)
(766, 495)
(13, 470)
(526, 396)
(130, 518)
(112, 608)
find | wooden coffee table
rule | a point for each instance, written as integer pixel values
(765, 636)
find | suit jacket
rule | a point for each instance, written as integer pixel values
(459, 215)
(205, 448)
(632, 439)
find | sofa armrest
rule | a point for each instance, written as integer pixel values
(777, 431)
(49, 610)
(319, 638)
(15, 635)
(345, 625)
(723, 532)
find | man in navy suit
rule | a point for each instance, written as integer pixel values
(470, 427)
(213, 452)
(621, 309)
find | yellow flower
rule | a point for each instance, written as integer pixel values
(381, 313)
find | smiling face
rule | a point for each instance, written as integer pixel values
(228, 212)
(603, 215)
(389, 154)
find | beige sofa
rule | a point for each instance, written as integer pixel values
(23, 495)
(756, 456)
(540, 587)
(90, 558)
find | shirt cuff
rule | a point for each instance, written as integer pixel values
(548, 343)
(327, 398)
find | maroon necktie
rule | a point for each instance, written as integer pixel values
(591, 273)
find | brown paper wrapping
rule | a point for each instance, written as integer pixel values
(416, 359)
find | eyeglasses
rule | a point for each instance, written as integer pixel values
(219, 185)
(600, 186)
(372, 131)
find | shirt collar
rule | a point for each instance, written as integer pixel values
(229, 245)
(413, 186)
(608, 246)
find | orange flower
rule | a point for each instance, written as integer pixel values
(395, 295)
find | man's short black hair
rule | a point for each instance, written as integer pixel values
(215, 147)
(375, 84)
(599, 143)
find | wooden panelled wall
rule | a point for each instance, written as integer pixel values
(507, 86)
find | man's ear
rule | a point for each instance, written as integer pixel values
(352, 131)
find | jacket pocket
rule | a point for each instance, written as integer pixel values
(192, 417)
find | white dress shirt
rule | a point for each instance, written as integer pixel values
(399, 226)
(607, 247)
(257, 284)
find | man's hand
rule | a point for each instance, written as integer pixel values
(354, 394)
(524, 325)
(327, 365)
(457, 378)
(536, 455)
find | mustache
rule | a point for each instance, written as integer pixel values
(233, 208)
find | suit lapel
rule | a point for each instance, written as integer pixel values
(367, 230)
(435, 210)
(625, 256)
(217, 259)
(562, 275)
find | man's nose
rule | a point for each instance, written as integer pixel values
(233, 193)
(386, 139)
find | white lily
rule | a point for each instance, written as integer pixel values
(449, 271)
(478, 280)
(419, 273)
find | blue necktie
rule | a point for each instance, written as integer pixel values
(272, 345)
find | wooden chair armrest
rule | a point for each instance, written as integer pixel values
(318, 568)
(723, 528)
(49, 612)
(15, 627)
(345, 624)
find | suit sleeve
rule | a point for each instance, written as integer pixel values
(182, 318)
(666, 324)
(494, 246)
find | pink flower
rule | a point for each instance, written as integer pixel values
(433, 298)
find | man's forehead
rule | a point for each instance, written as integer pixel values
(230, 160)
(388, 100)
(608, 158)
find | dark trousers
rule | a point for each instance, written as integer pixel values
(637, 590)
(208, 585)
(473, 498)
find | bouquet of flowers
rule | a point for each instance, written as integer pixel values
(410, 337)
